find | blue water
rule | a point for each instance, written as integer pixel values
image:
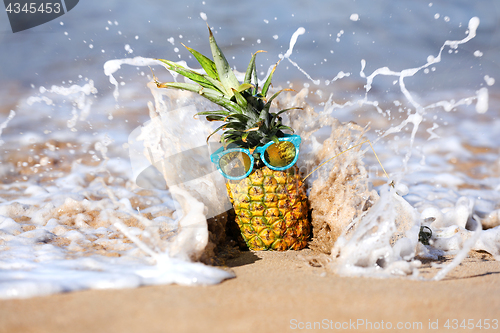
(399, 34)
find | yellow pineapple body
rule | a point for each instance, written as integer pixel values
(271, 209)
(271, 206)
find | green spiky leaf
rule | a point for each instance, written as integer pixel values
(218, 129)
(215, 118)
(244, 86)
(252, 129)
(218, 85)
(268, 104)
(226, 75)
(239, 117)
(283, 127)
(267, 84)
(204, 80)
(207, 64)
(192, 75)
(213, 113)
(264, 118)
(247, 121)
(235, 125)
(284, 110)
(221, 100)
(276, 115)
(240, 99)
(213, 95)
(179, 85)
(251, 68)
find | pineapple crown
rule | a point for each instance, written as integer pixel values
(247, 119)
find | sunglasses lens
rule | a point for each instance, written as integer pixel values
(235, 164)
(280, 155)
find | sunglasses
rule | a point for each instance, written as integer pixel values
(237, 163)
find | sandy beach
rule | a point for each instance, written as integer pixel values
(274, 292)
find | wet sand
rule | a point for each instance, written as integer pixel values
(273, 292)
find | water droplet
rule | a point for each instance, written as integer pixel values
(489, 80)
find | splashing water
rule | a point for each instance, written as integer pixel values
(12, 114)
(368, 246)
(293, 40)
(393, 247)
(370, 249)
(62, 223)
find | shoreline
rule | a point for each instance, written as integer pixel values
(272, 292)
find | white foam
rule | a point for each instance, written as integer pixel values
(288, 53)
(79, 97)
(461, 255)
(31, 265)
(482, 100)
(369, 250)
(111, 66)
(3, 125)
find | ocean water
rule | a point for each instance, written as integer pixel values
(68, 193)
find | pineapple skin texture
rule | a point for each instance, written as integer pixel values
(271, 209)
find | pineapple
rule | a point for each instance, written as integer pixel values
(270, 205)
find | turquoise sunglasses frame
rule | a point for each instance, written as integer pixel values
(295, 139)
